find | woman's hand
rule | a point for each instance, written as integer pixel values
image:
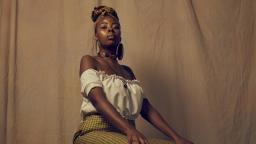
(135, 137)
(181, 140)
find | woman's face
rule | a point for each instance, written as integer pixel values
(108, 32)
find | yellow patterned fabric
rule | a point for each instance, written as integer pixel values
(94, 129)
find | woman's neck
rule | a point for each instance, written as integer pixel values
(108, 53)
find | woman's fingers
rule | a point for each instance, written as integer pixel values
(146, 141)
(130, 139)
(135, 137)
(133, 140)
(142, 141)
(138, 140)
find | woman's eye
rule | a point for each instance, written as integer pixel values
(116, 27)
(103, 26)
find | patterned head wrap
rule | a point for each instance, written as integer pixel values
(101, 11)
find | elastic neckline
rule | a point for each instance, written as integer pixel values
(114, 75)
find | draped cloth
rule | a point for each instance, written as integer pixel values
(195, 59)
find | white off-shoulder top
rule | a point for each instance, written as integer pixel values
(125, 95)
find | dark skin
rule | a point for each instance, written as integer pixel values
(108, 34)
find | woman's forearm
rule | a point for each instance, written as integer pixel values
(103, 106)
(98, 99)
(153, 116)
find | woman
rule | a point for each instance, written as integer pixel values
(112, 97)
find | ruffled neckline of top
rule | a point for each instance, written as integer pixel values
(115, 76)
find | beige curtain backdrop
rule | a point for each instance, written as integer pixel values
(196, 61)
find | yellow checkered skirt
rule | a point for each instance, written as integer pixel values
(95, 129)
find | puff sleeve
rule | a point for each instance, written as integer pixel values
(89, 79)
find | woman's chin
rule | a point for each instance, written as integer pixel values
(111, 45)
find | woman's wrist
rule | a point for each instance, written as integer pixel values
(178, 137)
(127, 128)
(174, 136)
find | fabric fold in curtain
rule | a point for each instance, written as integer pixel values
(195, 60)
(8, 45)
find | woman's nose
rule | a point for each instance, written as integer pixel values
(110, 29)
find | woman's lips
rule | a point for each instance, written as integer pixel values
(111, 37)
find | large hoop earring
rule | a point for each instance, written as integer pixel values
(97, 47)
(119, 51)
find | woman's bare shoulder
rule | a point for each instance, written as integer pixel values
(88, 61)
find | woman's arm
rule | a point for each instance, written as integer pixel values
(150, 114)
(103, 106)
